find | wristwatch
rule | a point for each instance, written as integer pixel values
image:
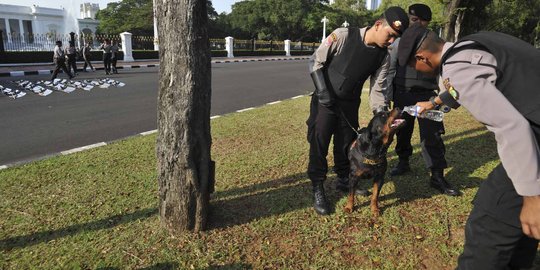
(432, 100)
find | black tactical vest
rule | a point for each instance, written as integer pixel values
(349, 69)
(518, 70)
(408, 79)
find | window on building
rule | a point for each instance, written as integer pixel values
(3, 28)
(28, 32)
(15, 30)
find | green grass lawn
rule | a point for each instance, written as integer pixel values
(98, 208)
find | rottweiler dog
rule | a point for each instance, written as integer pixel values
(367, 155)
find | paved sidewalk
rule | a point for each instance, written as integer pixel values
(12, 70)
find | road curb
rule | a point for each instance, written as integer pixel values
(50, 71)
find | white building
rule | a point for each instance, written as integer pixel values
(25, 24)
(373, 4)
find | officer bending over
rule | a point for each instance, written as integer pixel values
(495, 77)
(339, 69)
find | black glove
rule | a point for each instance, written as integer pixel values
(326, 97)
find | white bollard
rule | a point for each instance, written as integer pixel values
(126, 46)
(229, 42)
(287, 47)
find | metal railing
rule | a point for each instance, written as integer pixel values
(46, 42)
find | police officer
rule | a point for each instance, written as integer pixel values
(86, 56)
(59, 60)
(495, 77)
(339, 67)
(71, 54)
(410, 87)
(107, 54)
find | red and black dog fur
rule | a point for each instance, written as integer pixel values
(367, 155)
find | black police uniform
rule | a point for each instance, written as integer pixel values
(339, 68)
(410, 87)
(344, 76)
(497, 206)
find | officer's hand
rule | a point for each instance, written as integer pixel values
(530, 216)
(424, 106)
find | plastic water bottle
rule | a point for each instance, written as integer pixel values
(434, 115)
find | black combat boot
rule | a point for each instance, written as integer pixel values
(401, 168)
(342, 184)
(320, 203)
(437, 181)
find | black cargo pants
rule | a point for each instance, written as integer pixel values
(323, 123)
(493, 234)
(433, 149)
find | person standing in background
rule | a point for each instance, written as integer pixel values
(86, 56)
(71, 54)
(114, 56)
(409, 87)
(106, 47)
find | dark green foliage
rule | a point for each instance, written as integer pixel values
(134, 16)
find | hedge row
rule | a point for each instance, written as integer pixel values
(46, 57)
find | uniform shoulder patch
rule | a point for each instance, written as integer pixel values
(331, 39)
(450, 89)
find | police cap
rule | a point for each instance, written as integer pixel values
(410, 41)
(421, 11)
(397, 19)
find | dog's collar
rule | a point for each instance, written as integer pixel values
(371, 161)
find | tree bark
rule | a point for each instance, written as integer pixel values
(450, 13)
(185, 169)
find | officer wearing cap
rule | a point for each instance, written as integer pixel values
(409, 87)
(495, 77)
(339, 68)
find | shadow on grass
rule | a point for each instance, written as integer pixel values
(162, 266)
(279, 196)
(474, 152)
(46, 236)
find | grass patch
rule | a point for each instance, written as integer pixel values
(98, 208)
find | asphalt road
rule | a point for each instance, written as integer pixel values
(34, 127)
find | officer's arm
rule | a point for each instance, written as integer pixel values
(516, 143)
(319, 59)
(378, 95)
(392, 69)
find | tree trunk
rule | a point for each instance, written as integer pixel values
(185, 169)
(450, 13)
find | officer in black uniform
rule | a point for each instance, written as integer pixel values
(495, 77)
(339, 68)
(410, 87)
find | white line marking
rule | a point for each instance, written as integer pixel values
(16, 73)
(297, 97)
(44, 71)
(246, 109)
(215, 116)
(3, 167)
(149, 132)
(272, 103)
(78, 149)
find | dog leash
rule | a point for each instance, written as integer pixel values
(348, 123)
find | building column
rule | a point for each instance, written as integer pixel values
(126, 46)
(21, 28)
(8, 30)
(229, 46)
(287, 47)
